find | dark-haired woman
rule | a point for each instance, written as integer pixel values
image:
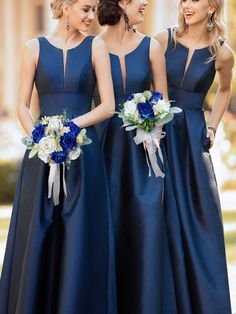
(144, 278)
(195, 51)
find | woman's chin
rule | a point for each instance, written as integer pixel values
(84, 28)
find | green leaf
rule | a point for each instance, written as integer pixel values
(175, 110)
(32, 153)
(28, 141)
(86, 141)
(165, 120)
(131, 128)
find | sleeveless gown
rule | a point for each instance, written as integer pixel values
(143, 271)
(57, 257)
(195, 230)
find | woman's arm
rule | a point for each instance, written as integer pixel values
(101, 62)
(224, 66)
(158, 65)
(27, 73)
(162, 38)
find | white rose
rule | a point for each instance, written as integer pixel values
(129, 108)
(161, 107)
(44, 157)
(47, 145)
(164, 105)
(55, 124)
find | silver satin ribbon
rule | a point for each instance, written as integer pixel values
(150, 138)
(54, 182)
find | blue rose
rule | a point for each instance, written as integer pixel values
(145, 110)
(130, 97)
(59, 157)
(156, 96)
(73, 128)
(38, 133)
(68, 140)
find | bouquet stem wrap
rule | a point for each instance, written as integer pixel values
(54, 182)
(152, 142)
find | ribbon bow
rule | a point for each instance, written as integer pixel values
(152, 142)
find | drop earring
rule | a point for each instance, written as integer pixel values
(128, 26)
(67, 23)
(210, 24)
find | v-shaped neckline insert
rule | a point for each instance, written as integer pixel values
(187, 67)
(124, 57)
(64, 56)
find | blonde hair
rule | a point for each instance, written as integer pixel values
(56, 7)
(216, 36)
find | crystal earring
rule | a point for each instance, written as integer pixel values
(67, 23)
(210, 24)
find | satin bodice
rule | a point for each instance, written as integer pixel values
(68, 86)
(138, 71)
(197, 78)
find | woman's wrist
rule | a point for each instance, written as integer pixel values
(212, 129)
(76, 121)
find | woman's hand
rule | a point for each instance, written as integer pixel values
(211, 135)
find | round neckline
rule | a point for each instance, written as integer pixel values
(186, 47)
(69, 49)
(132, 51)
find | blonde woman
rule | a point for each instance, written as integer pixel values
(195, 51)
(57, 256)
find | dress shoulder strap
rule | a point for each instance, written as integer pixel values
(169, 29)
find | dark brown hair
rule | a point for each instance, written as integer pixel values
(109, 12)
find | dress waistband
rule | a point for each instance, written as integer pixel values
(186, 99)
(55, 104)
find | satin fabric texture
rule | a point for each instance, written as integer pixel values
(193, 213)
(58, 258)
(143, 269)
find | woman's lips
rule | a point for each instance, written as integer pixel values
(189, 14)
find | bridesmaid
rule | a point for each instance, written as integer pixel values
(195, 51)
(57, 256)
(144, 278)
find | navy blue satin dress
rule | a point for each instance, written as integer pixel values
(144, 276)
(57, 257)
(195, 229)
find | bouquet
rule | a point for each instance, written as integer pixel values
(56, 140)
(146, 112)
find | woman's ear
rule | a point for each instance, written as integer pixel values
(66, 8)
(123, 4)
(211, 10)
